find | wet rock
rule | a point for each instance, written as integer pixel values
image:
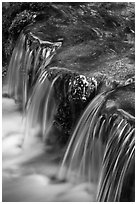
(90, 31)
(73, 93)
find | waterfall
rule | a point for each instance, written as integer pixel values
(102, 145)
(83, 146)
(30, 56)
(101, 149)
(42, 106)
(119, 153)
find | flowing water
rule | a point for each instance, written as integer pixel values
(94, 164)
(30, 168)
(30, 56)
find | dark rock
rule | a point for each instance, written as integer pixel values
(73, 93)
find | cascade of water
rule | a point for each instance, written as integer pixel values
(118, 155)
(30, 56)
(41, 107)
(14, 65)
(82, 149)
(49, 109)
(28, 81)
(101, 148)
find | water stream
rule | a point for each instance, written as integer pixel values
(93, 164)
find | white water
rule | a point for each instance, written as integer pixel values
(27, 172)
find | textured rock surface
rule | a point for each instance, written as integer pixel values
(96, 36)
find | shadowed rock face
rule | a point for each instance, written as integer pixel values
(97, 43)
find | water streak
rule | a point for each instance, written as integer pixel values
(97, 160)
(30, 56)
(14, 66)
(118, 155)
(81, 150)
(87, 155)
(42, 106)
